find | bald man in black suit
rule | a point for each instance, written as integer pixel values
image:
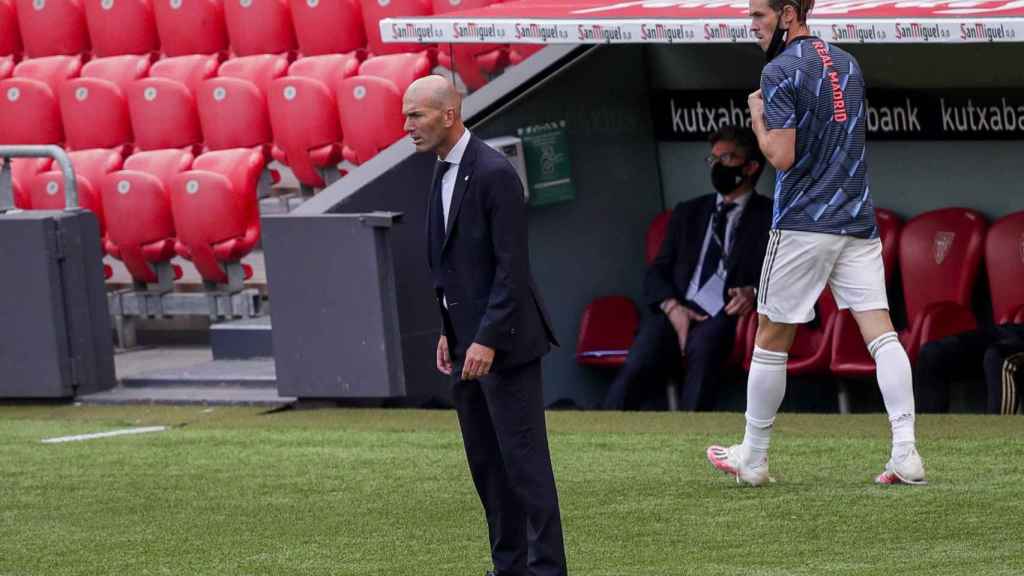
(495, 330)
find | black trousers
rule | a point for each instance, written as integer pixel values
(505, 435)
(997, 352)
(655, 357)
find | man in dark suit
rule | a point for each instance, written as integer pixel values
(997, 352)
(495, 330)
(702, 281)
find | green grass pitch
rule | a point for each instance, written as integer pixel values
(231, 491)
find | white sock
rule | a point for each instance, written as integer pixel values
(895, 380)
(766, 387)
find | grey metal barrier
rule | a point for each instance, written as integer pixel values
(55, 333)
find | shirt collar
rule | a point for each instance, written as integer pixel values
(740, 202)
(455, 154)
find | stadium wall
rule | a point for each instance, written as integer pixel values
(594, 245)
(908, 178)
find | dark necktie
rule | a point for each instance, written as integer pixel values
(437, 238)
(713, 255)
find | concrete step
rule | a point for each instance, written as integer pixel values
(189, 395)
(242, 339)
(240, 373)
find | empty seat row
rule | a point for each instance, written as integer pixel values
(307, 115)
(938, 254)
(178, 27)
(242, 27)
(158, 204)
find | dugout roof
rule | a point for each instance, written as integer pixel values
(708, 22)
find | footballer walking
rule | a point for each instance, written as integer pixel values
(809, 117)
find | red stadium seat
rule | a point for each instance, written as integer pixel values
(520, 52)
(47, 193)
(401, 69)
(23, 174)
(261, 70)
(189, 71)
(163, 106)
(328, 26)
(1004, 261)
(849, 354)
(371, 116)
(10, 39)
(53, 27)
(607, 330)
(191, 26)
(118, 70)
(811, 352)
(29, 109)
(304, 115)
(376, 10)
(445, 6)
(94, 107)
(940, 253)
(91, 170)
(259, 27)
(121, 27)
(137, 204)
(330, 69)
(6, 67)
(216, 213)
(609, 324)
(233, 106)
(472, 62)
(52, 71)
(371, 103)
(307, 131)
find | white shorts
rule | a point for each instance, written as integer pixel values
(797, 266)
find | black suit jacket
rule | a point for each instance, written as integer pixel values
(484, 266)
(670, 273)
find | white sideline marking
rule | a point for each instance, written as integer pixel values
(124, 432)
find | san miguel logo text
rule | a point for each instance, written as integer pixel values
(414, 32)
(724, 31)
(478, 31)
(536, 31)
(917, 31)
(601, 33)
(979, 31)
(669, 33)
(855, 33)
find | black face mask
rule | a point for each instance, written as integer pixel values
(726, 179)
(778, 42)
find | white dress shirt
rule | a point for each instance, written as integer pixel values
(732, 219)
(454, 158)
